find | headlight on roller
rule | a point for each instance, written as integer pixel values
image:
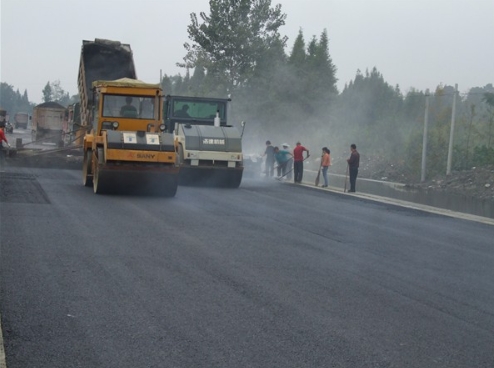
(162, 127)
(114, 125)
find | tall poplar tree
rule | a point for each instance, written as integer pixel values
(47, 93)
(231, 40)
(298, 55)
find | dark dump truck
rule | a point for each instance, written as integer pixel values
(49, 123)
(21, 120)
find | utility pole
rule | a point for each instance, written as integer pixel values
(451, 133)
(424, 139)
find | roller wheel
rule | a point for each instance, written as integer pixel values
(234, 180)
(87, 168)
(170, 187)
(99, 186)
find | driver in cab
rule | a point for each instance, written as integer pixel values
(182, 113)
(128, 111)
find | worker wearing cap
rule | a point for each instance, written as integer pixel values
(298, 162)
(282, 158)
(287, 165)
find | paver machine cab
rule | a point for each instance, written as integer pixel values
(125, 147)
(210, 151)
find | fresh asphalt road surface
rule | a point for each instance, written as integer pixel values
(268, 275)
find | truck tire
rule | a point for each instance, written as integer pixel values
(234, 179)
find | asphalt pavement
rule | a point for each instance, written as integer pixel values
(268, 275)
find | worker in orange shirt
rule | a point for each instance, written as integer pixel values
(325, 164)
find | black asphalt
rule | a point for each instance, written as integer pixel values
(267, 275)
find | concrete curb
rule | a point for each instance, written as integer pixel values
(401, 203)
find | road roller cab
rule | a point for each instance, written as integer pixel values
(210, 150)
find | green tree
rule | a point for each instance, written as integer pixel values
(13, 101)
(263, 100)
(59, 94)
(489, 100)
(167, 85)
(320, 83)
(322, 68)
(470, 131)
(230, 41)
(298, 55)
(297, 77)
(369, 110)
(7, 97)
(47, 93)
(197, 81)
(53, 91)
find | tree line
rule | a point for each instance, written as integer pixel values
(288, 93)
(13, 101)
(237, 50)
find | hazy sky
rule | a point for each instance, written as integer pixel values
(413, 43)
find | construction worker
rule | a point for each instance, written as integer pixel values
(325, 164)
(282, 158)
(289, 164)
(3, 138)
(298, 162)
(269, 163)
(353, 164)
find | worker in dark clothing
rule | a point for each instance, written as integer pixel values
(353, 164)
(269, 163)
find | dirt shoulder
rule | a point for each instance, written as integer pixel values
(477, 182)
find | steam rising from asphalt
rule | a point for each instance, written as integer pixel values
(312, 133)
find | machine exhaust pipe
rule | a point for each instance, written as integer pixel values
(217, 119)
